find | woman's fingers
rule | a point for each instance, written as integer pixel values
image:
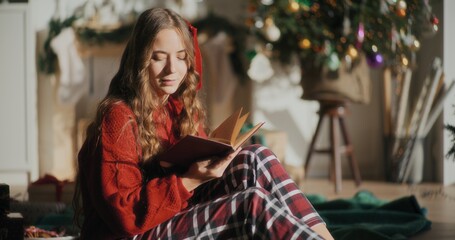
(208, 169)
(224, 162)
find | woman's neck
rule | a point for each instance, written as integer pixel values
(164, 99)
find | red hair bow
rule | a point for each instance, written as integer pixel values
(197, 54)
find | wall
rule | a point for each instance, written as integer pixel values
(56, 121)
(296, 117)
(18, 127)
(448, 165)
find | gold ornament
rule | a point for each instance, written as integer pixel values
(293, 6)
(352, 52)
(401, 13)
(415, 45)
(305, 43)
(404, 61)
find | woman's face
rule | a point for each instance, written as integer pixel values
(168, 64)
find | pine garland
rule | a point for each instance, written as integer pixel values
(95, 37)
(47, 61)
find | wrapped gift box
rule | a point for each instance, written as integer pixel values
(49, 193)
(50, 189)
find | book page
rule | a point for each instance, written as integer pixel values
(226, 129)
(242, 139)
(238, 128)
(193, 148)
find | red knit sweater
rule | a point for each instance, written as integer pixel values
(117, 202)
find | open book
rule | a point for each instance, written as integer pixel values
(224, 139)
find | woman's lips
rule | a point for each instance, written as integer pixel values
(167, 82)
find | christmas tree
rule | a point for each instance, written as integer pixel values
(326, 32)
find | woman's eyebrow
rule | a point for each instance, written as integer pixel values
(162, 51)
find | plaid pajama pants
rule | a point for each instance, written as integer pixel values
(255, 199)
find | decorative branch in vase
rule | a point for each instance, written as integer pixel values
(451, 129)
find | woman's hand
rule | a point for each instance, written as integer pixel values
(203, 171)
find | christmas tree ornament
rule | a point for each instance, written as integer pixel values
(346, 25)
(267, 2)
(380, 30)
(374, 48)
(375, 60)
(401, 13)
(352, 52)
(260, 68)
(333, 62)
(401, 5)
(409, 40)
(360, 33)
(434, 20)
(328, 49)
(346, 19)
(401, 8)
(415, 45)
(304, 43)
(435, 28)
(258, 23)
(271, 31)
(404, 60)
(293, 6)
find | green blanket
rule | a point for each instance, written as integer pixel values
(366, 217)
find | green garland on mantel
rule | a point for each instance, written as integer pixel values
(211, 25)
(47, 61)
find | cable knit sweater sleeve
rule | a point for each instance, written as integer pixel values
(133, 206)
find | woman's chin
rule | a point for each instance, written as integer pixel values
(168, 90)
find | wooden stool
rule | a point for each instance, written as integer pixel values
(335, 110)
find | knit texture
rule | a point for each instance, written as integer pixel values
(117, 200)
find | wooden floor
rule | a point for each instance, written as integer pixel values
(437, 199)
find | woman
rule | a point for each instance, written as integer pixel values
(151, 103)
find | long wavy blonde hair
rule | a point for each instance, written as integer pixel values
(131, 84)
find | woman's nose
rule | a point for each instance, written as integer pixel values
(171, 65)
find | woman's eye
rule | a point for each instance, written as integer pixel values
(158, 57)
(182, 56)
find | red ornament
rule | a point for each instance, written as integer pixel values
(434, 20)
